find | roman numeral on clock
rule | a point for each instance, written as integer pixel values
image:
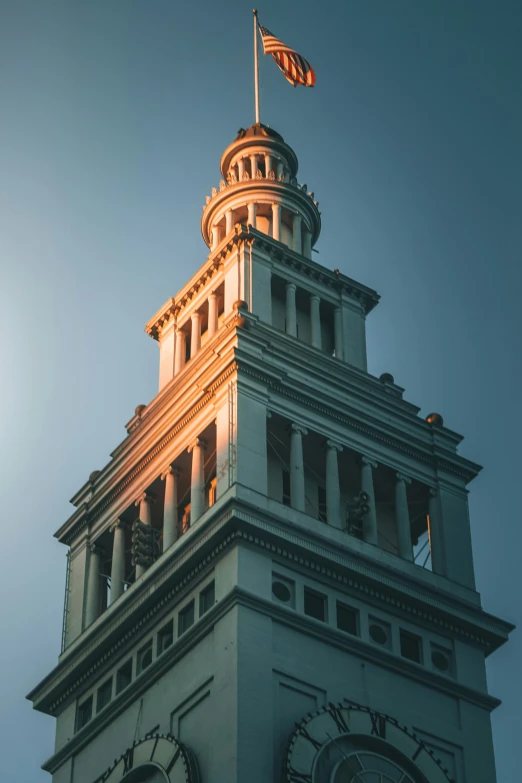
(303, 732)
(378, 724)
(298, 777)
(173, 760)
(338, 716)
(154, 748)
(128, 760)
(417, 752)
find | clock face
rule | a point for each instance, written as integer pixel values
(349, 743)
(157, 758)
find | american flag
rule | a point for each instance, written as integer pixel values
(295, 68)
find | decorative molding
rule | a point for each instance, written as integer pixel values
(304, 553)
(93, 512)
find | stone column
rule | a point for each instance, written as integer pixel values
(297, 482)
(276, 221)
(229, 219)
(92, 607)
(195, 337)
(297, 241)
(370, 519)
(181, 350)
(118, 560)
(253, 165)
(212, 314)
(291, 312)
(307, 244)
(280, 168)
(240, 169)
(435, 533)
(268, 165)
(315, 320)
(197, 484)
(251, 219)
(402, 517)
(333, 489)
(170, 507)
(144, 502)
(338, 332)
(216, 237)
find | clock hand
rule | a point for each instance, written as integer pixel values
(343, 754)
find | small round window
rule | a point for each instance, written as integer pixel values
(281, 592)
(440, 661)
(378, 634)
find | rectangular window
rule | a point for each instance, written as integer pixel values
(207, 598)
(315, 604)
(165, 636)
(411, 646)
(186, 618)
(286, 487)
(104, 695)
(347, 619)
(84, 713)
(144, 658)
(124, 676)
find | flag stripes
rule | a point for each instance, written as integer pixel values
(296, 69)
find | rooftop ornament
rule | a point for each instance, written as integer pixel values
(435, 419)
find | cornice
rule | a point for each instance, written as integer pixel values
(418, 444)
(95, 508)
(233, 520)
(160, 319)
(283, 255)
(279, 253)
(301, 623)
(410, 435)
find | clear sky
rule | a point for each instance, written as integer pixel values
(114, 114)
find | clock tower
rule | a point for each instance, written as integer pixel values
(271, 581)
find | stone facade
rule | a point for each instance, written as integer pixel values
(310, 614)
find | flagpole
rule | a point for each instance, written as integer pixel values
(256, 67)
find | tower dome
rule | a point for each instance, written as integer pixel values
(259, 187)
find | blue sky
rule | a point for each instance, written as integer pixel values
(114, 117)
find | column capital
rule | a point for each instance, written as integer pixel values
(315, 298)
(117, 523)
(171, 470)
(145, 497)
(268, 414)
(95, 549)
(289, 286)
(332, 444)
(299, 429)
(434, 492)
(368, 461)
(195, 314)
(198, 443)
(212, 295)
(403, 478)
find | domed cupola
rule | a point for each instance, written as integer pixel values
(260, 188)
